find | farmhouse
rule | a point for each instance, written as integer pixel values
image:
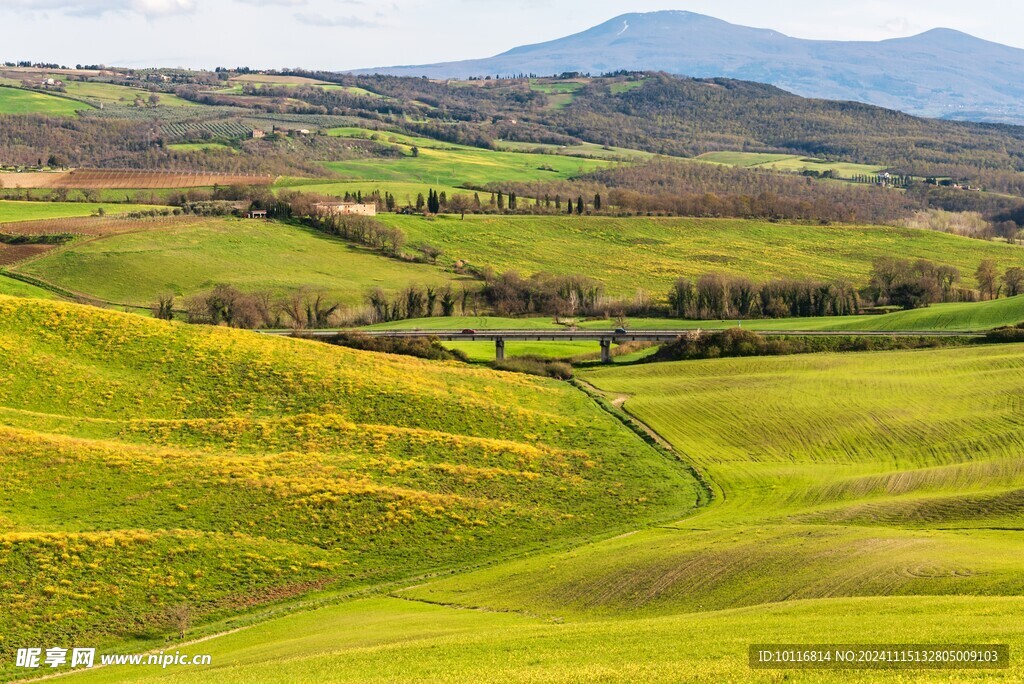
(257, 133)
(346, 209)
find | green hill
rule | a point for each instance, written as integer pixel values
(147, 465)
(884, 474)
(135, 268)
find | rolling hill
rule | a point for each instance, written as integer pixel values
(940, 73)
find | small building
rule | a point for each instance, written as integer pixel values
(258, 134)
(346, 208)
(256, 214)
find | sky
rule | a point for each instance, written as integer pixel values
(349, 34)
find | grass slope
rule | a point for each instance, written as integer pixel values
(146, 465)
(16, 288)
(135, 268)
(18, 101)
(650, 253)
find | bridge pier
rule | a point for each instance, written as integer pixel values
(499, 349)
(606, 350)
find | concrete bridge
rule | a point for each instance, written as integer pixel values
(606, 338)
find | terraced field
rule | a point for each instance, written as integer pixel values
(161, 465)
(650, 253)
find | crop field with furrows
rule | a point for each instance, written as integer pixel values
(627, 254)
(100, 179)
(14, 254)
(12, 211)
(194, 256)
(18, 101)
(162, 466)
(95, 226)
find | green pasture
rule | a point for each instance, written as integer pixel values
(18, 101)
(12, 211)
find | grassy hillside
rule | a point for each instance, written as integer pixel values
(135, 268)
(650, 253)
(16, 288)
(18, 101)
(147, 465)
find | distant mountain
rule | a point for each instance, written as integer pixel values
(941, 73)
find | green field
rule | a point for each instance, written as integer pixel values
(135, 268)
(13, 211)
(484, 351)
(391, 640)
(110, 93)
(464, 168)
(15, 288)
(560, 93)
(161, 464)
(443, 164)
(18, 101)
(650, 253)
(789, 162)
(195, 147)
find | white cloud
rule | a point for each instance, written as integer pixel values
(92, 8)
(279, 3)
(321, 20)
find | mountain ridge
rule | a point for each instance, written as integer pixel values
(941, 73)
